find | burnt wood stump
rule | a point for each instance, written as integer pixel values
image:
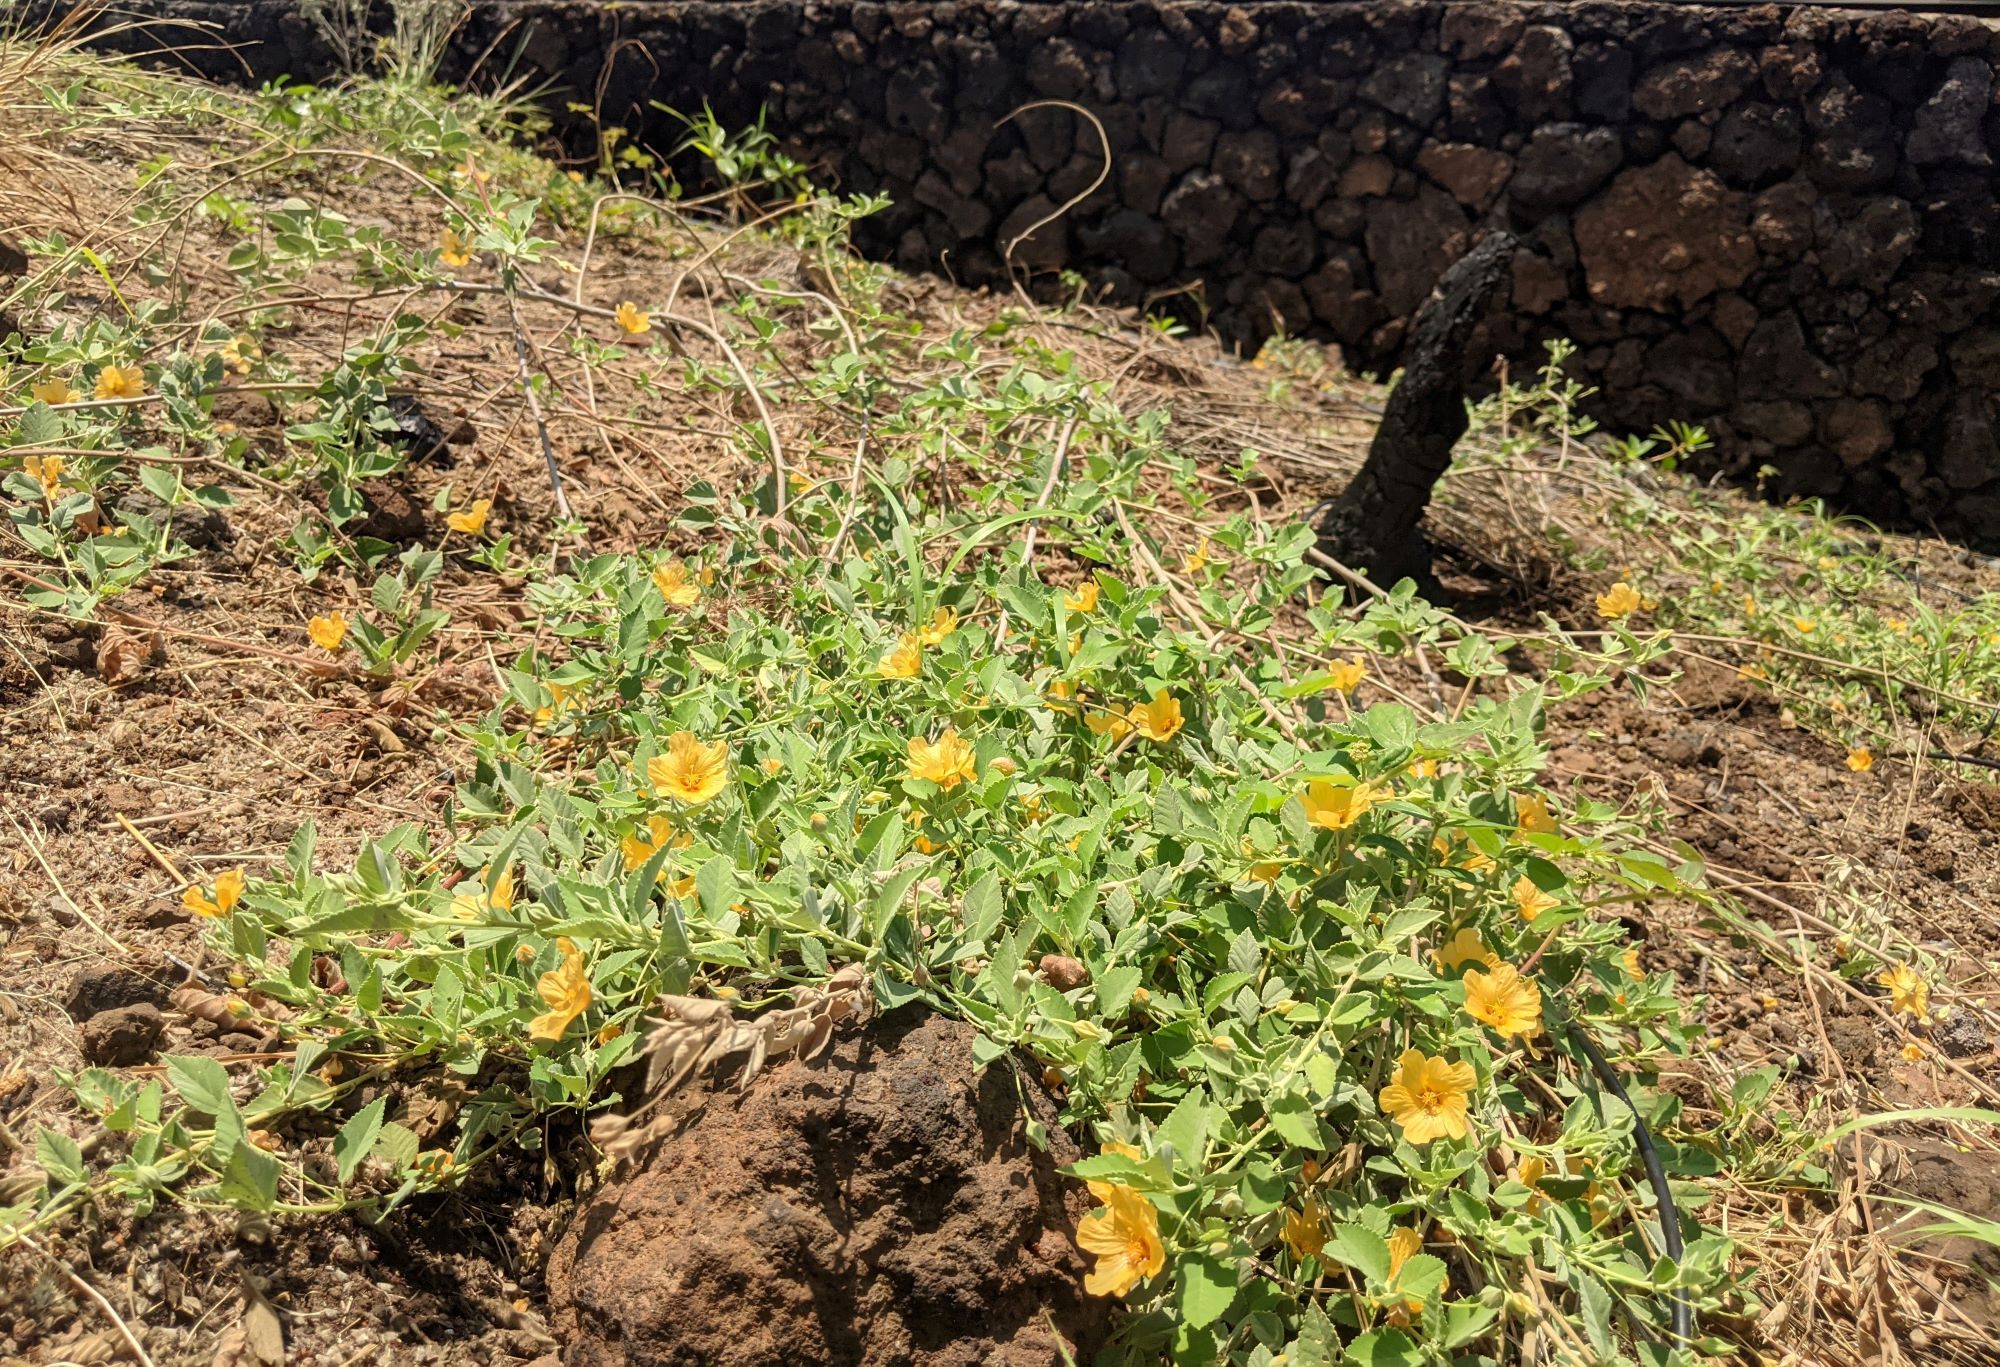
(1372, 526)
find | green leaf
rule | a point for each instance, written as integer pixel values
(161, 481)
(1361, 1249)
(715, 884)
(1293, 1118)
(60, 1156)
(983, 907)
(357, 1137)
(1322, 1073)
(1317, 1345)
(1383, 1348)
(1115, 987)
(1207, 1286)
(251, 1179)
(40, 425)
(202, 1084)
(1421, 1278)
(398, 1145)
(1186, 1132)
(1595, 1301)
(1246, 955)
(1406, 922)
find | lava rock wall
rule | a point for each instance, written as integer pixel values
(1778, 222)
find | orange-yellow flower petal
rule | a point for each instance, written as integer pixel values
(566, 992)
(690, 771)
(946, 761)
(220, 900)
(329, 631)
(1503, 999)
(1429, 1098)
(632, 319)
(473, 519)
(1124, 1236)
(1336, 806)
(1159, 719)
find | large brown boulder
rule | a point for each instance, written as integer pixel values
(881, 1205)
(1664, 235)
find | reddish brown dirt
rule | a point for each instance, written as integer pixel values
(880, 1206)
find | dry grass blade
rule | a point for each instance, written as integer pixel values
(697, 1033)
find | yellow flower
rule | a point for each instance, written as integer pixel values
(1533, 1170)
(1124, 1236)
(1806, 625)
(1083, 598)
(1505, 1000)
(566, 992)
(1344, 676)
(1861, 759)
(1622, 601)
(1265, 871)
(1159, 719)
(943, 622)
(1061, 697)
(1108, 721)
(1531, 815)
(1464, 948)
(1630, 958)
(906, 661)
(638, 848)
(1908, 992)
(1422, 768)
(1913, 1051)
(1197, 560)
(925, 845)
(494, 894)
(1530, 900)
(1896, 624)
(671, 579)
(562, 697)
(633, 319)
(1336, 806)
(1749, 606)
(1403, 1246)
(946, 761)
(1031, 807)
(1428, 1098)
(222, 898)
(53, 392)
(473, 519)
(1304, 1233)
(240, 353)
(46, 471)
(453, 250)
(1461, 853)
(120, 382)
(328, 632)
(690, 771)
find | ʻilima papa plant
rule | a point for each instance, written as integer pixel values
(1306, 981)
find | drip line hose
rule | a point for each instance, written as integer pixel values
(1670, 1216)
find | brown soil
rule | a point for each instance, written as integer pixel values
(879, 1206)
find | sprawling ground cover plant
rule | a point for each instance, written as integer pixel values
(960, 725)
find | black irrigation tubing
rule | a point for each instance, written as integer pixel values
(1670, 1216)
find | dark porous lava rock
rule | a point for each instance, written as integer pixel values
(881, 1205)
